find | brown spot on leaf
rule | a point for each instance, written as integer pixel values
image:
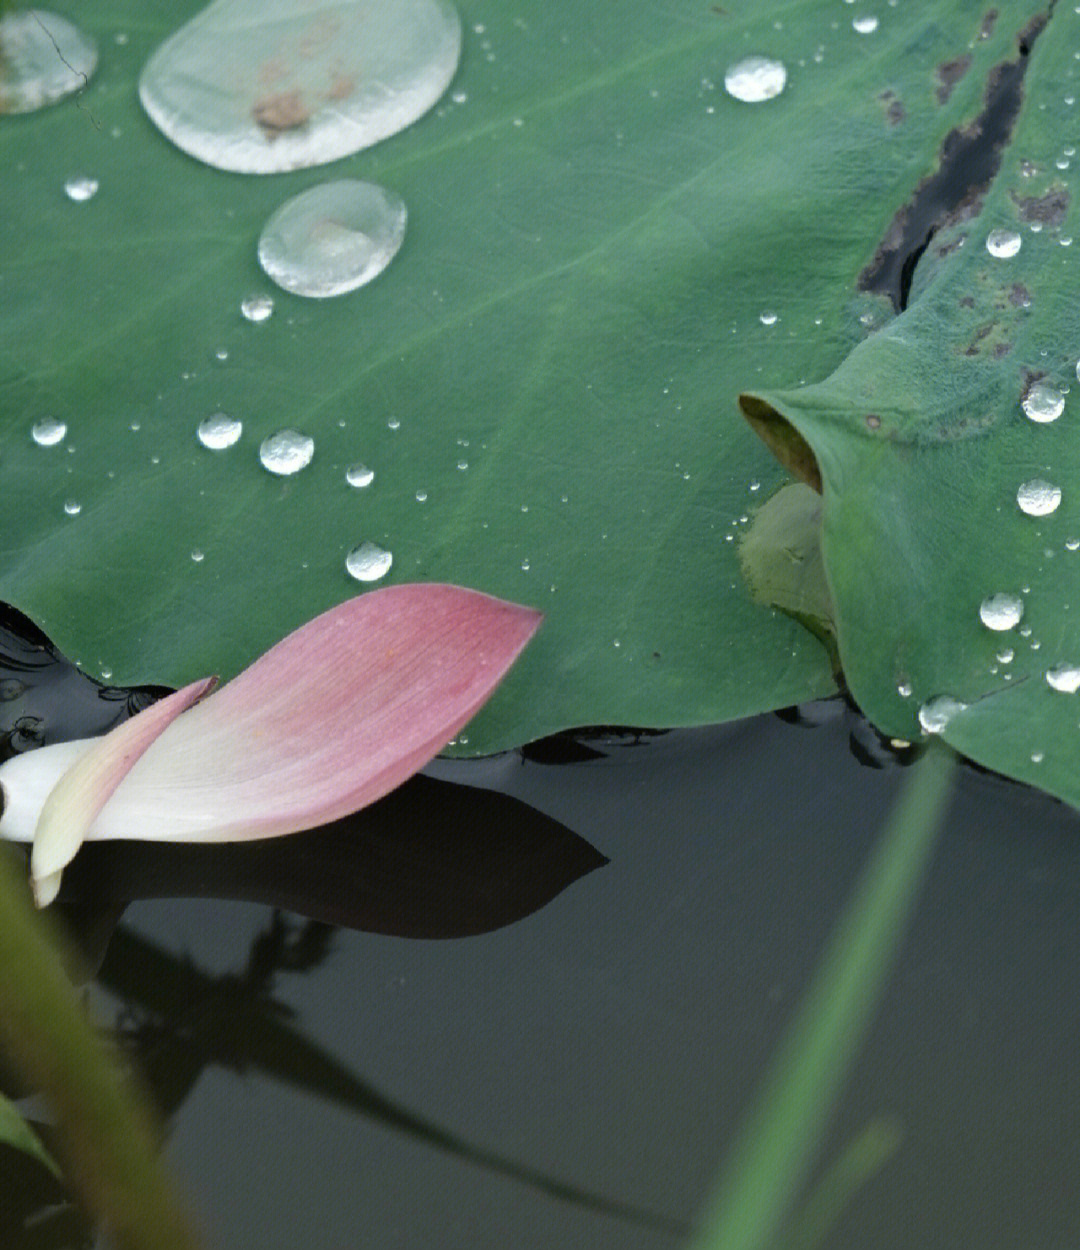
(274, 114)
(1019, 295)
(949, 74)
(1001, 349)
(967, 301)
(988, 23)
(1048, 210)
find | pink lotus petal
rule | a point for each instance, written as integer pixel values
(83, 790)
(335, 716)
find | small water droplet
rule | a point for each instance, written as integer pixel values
(1072, 544)
(393, 424)
(257, 307)
(1001, 611)
(525, 569)
(1003, 243)
(459, 97)
(1038, 498)
(1043, 403)
(936, 713)
(222, 353)
(219, 431)
(462, 465)
(1005, 656)
(359, 475)
(421, 496)
(45, 58)
(80, 189)
(865, 25)
(904, 690)
(368, 562)
(1065, 677)
(755, 78)
(262, 92)
(768, 318)
(197, 556)
(48, 432)
(72, 507)
(286, 452)
(1037, 757)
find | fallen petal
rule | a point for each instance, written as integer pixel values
(85, 787)
(335, 716)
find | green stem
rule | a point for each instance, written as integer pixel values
(777, 1146)
(106, 1139)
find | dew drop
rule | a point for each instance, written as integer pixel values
(936, 713)
(754, 79)
(421, 496)
(310, 84)
(359, 475)
(48, 432)
(1065, 677)
(1005, 656)
(80, 189)
(197, 556)
(1038, 498)
(904, 690)
(1037, 757)
(332, 238)
(768, 318)
(1001, 611)
(865, 25)
(1003, 243)
(1043, 403)
(72, 507)
(257, 307)
(218, 431)
(45, 58)
(286, 452)
(368, 562)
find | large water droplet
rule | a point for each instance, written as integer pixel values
(359, 475)
(1003, 243)
(48, 432)
(1001, 611)
(936, 713)
(81, 189)
(286, 452)
(1043, 403)
(333, 238)
(1066, 678)
(257, 307)
(368, 562)
(260, 88)
(755, 78)
(219, 431)
(1038, 498)
(44, 59)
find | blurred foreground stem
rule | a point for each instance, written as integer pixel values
(776, 1147)
(106, 1140)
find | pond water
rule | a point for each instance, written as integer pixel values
(540, 991)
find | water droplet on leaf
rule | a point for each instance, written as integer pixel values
(755, 78)
(1043, 403)
(1003, 243)
(286, 452)
(1001, 611)
(257, 307)
(368, 562)
(333, 238)
(936, 713)
(865, 25)
(219, 431)
(359, 475)
(48, 432)
(80, 189)
(1038, 498)
(44, 59)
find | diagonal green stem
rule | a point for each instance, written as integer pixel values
(776, 1148)
(107, 1143)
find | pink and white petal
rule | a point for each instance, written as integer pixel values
(85, 787)
(27, 779)
(333, 717)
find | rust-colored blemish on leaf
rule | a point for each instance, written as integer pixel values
(286, 110)
(895, 112)
(1048, 210)
(1019, 295)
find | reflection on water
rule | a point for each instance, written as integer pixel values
(565, 1065)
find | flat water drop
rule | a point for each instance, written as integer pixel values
(286, 452)
(1038, 498)
(197, 556)
(333, 238)
(45, 58)
(936, 713)
(865, 25)
(72, 507)
(1003, 243)
(81, 189)
(767, 318)
(754, 79)
(1002, 611)
(368, 562)
(1043, 403)
(260, 92)
(1066, 678)
(359, 475)
(219, 431)
(257, 307)
(48, 432)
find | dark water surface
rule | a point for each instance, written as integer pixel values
(606, 955)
